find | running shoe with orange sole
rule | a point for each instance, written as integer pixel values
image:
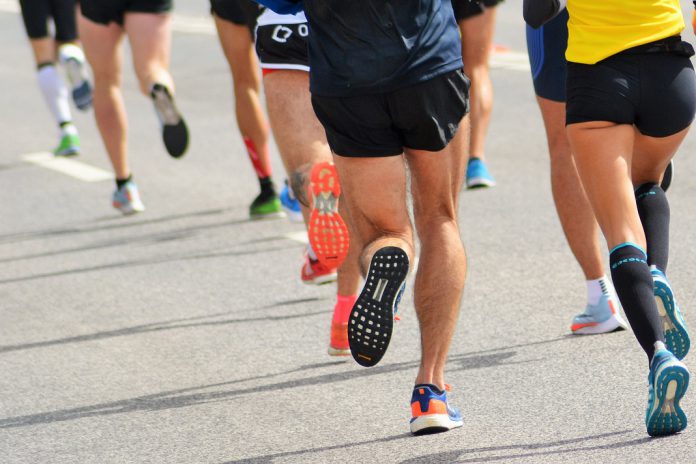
(328, 234)
(315, 273)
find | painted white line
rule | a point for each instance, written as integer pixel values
(193, 24)
(9, 6)
(299, 236)
(514, 61)
(69, 167)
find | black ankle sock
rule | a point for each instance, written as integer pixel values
(653, 209)
(634, 286)
(267, 187)
(121, 182)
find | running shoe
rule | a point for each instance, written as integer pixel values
(327, 232)
(477, 175)
(430, 411)
(600, 318)
(69, 145)
(372, 318)
(174, 130)
(74, 60)
(315, 273)
(676, 336)
(265, 206)
(667, 383)
(290, 204)
(667, 178)
(127, 199)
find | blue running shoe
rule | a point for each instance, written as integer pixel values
(477, 175)
(600, 318)
(290, 204)
(372, 317)
(676, 335)
(430, 411)
(127, 199)
(668, 381)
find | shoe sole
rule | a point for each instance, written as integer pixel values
(338, 351)
(174, 130)
(433, 423)
(668, 417)
(293, 216)
(67, 153)
(372, 318)
(260, 217)
(479, 182)
(127, 210)
(328, 234)
(676, 336)
(321, 280)
(613, 324)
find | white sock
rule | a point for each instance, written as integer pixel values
(598, 287)
(55, 93)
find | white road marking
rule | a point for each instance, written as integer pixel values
(9, 6)
(514, 61)
(299, 236)
(203, 25)
(69, 167)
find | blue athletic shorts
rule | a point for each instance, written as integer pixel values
(546, 47)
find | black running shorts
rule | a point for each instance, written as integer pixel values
(656, 92)
(282, 46)
(37, 13)
(464, 9)
(113, 11)
(239, 12)
(424, 116)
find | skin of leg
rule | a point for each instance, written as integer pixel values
(651, 155)
(302, 143)
(102, 48)
(239, 51)
(574, 211)
(150, 38)
(603, 153)
(436, 178)
(44, 50)
(477, 40)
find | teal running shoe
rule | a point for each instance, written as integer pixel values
(667, 384)
(477, 175)
(69, 145)
(600, 318)
(676, 336)
(290, 204)
(127, 199)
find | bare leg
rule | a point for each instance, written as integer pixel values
(239, 51)
(574, 211)
(477, 40)
(44, 50)
(102, 48)
(150, 39)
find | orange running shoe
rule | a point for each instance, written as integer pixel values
(315, 273)
(328, 234)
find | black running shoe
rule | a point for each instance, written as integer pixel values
(667, 178)
(174, 130)
(372, 317)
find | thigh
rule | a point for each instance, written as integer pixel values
(149, 35)
(651, 155)
(101, 43)
(35, 14)
(63, 12)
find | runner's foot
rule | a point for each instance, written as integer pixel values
(174, 130)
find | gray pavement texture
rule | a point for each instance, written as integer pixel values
(183, 335)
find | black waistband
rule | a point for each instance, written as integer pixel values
(673, 44)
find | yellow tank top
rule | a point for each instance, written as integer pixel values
(598, 29)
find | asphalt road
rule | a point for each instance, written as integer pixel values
(183, 335)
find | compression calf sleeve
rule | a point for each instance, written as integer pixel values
(54, 92)
(653, 209)
(634, 286)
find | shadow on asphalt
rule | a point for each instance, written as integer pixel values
(459, 456)
(193, 396)
(172, 324)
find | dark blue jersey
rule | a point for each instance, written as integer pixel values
(359, 47)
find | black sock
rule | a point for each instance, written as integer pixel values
(121, 182)
(267, 187)
(653, 209)
(634, 286)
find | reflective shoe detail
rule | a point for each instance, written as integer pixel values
(315, 273)
(327, 232)
(69, 145)
(668, 381)
(127, 199)
(477, 175)
(265, 206)
(600, 318)
(676, 335)
(174, 130)
(372, 317)
(430, 411)
(290, 204)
